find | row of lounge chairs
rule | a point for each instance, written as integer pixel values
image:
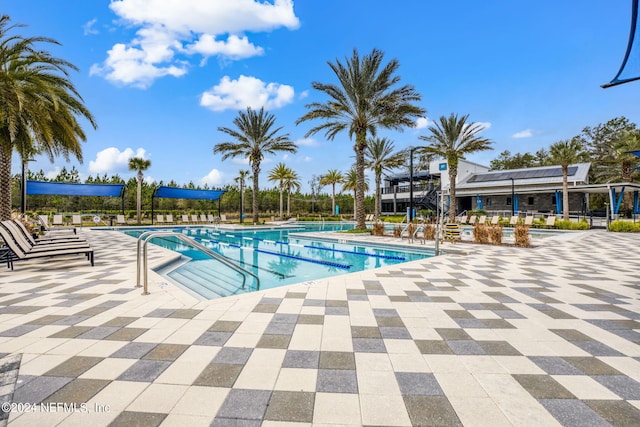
(513, 221)
(19, 244)
(186, 219)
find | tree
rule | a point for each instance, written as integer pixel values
(451, 138)
(332, 178)
(365, 99)
(565, 153)
(279, 174)
(240, 179)
(506, 160)
(350, 183)
(139, 165)
(381, 158)
(40, 105)
(255, 136)
(291, 182)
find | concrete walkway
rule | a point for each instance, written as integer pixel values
(500, 336)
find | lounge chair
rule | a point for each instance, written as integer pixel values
(551, 221)
(462, 219)
(169, 219)
(27, 244)
(212, 219)
(495, 219)
(194, 218)
(203, 218)
(57, 225)
(17, 254)
(528, 220)
(514, 220)
(473, 219)
(482, 219)
(120, 220)
(223, 218)
(185, 219)
(76, 220)
(159, 219)
(18, 228)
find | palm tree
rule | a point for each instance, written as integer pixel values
(279, 174)
(291, 182)
(39, 105)
(332, 178)
(240, 179)
(365, 99)
(139, 165)
(255, 138)
(380, 158)
(451, 139)
(565, 153)
(350, 183)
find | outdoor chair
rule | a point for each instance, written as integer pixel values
(495, 219)
(76, 220)
(18, 228)
(514, 220)
(211, 218)
(473, 219)
(203, 218)
(482, 219)
(194, 218)
(462, 219)
(159, 219)
(223, 218)
(19, 254)
(185, 219)
(551, 221)
(120, 220)
(528, 220)
(58, 224)
(169, 219)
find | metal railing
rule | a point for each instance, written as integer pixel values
(149, 235)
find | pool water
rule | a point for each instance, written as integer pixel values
(275, 257)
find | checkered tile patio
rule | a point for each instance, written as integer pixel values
(499, 336)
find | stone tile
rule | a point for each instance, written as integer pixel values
(134, 350)
(369, 345)
(337, 360)
(245, 404)
(336, 408)
(337, 381)
(365, 332)
(453, 334)
(37, 389)
(543, 387)
(433, 347)
(555, 365)
(218, 375)
(592, 366)
(77, 391)
(394, 332)
(71, 332)
(623, 386)
(617, 412)
(310, 319)
(119, 321)
(217, 339)
(128, 419)
(224, 326)
(274, 341)
(233, 355)
(144, 370)
(291, 406)
(126, 334)
(275, 328)
(431, 410)
(168, 352)
(74, 366)
(418, 384)
(596, 348)
(498, 348)
(573, 413)
(301, 359)
(466, 347)
(184, 313)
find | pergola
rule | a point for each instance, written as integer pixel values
(185, 193)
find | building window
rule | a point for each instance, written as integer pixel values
(508, 201)
(530, 201)
(553, 200)
(487, 201)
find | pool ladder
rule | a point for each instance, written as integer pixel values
(147, 236)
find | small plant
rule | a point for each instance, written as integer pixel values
(397, 231)
(624, 227)
(378, 229)
(495, 234)
(521, 235)
(480, 233)
(429, 232)
(411, 227)
(572, 225)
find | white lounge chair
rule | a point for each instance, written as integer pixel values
(203, 218)
(482, 219)
(551, 221)
(528, 220)
(169, 219)
(159, 219)
(120, 220)
(211, 218)
(185, 219)
(76, 220)
(495, 219)
(473, 219)
(514, 220)
(194, 218)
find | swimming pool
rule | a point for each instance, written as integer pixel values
(275, 257)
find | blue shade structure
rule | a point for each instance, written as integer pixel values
(185, 193)
(72, 189)
(630, 68)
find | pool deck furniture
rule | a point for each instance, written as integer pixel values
(514, 220)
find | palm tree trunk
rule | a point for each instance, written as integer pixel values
(354, 204)
(565, 192)
(333, 198)
(256, 171)
(361, 145)
(376, 209)
(5, 184)
(281, 200)
(139, 198)
(453, 175)
(289, 202)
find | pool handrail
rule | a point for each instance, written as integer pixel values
(149, 235)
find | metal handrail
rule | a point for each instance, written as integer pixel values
(149, 235)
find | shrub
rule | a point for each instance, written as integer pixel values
(411, 227)
(397, 231)
(571, 225)
(378, 229)
(429, 232)
(495, 234)
(521, 235)
(480, 233)
(624, 227)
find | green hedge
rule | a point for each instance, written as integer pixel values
(571, 225)
(624, 227)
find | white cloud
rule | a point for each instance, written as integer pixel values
(307, 142)
(422, 122)
(240, 160)
(112, 160)
(170, 31)
(88, 27)
(484, 125)
(527, 133)
(52, 174)
(307, 159)
(213, 178)
(246, 92)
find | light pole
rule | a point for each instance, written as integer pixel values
(241, 200)
(23, 193)
(513, 198)
(411, 150)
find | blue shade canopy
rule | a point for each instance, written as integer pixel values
(630, 68)
(71, 189)
(187, 193)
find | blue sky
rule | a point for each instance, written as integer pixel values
(161, 76)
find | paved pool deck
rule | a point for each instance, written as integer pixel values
(485, 335)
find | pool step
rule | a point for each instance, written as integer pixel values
(209, 279)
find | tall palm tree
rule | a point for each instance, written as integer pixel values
(255, 136)
(279, 174)
(332, 178)
(366, 98)
(381, 158)
(565, 153)
(139, 165)
(39, 105)
(292, 182)
(452, 138)
(243, 174)
(350, 183)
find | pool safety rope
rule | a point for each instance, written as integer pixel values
(397, 258)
